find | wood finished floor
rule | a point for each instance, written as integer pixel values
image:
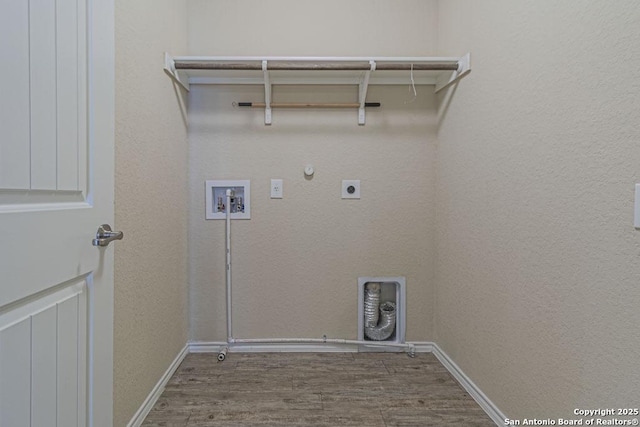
(314, 389)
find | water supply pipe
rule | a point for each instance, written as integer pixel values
(222, 354)
(229, 194)
(410, 347)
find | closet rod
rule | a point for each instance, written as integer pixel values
(298, 66)
(307, 105)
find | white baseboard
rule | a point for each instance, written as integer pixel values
(215, 346)
(151, 400)
(485, 403)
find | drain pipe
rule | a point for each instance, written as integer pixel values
(223, 353)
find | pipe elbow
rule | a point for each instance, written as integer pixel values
(385, 327)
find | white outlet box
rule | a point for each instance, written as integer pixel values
(351, 189)
(276, 189)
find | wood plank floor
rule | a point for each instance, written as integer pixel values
(314, 389)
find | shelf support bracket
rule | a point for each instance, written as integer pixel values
(464, 68)
(267, 94)
(177, 76)
(362, 92)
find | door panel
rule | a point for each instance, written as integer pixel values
(42, 71)
(42, 359)
(15, 367)
(14, 114)
(44, 367)
(68, 107)
(43, 118)
(56, 188)
(69, 378)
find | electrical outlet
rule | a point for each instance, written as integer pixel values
(276, 189)
(351, 189)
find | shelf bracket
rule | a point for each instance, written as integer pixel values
(464, 68)
(362, 92)
(267, 94)
(177, 76)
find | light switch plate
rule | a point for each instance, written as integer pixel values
(351, 189)
(636, 213)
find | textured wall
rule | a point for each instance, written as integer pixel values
(538, 260)
(296, 262)
(312, 28)
(151, 198)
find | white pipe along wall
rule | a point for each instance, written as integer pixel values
(222, 354)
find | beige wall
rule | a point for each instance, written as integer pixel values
(151, 196)
(296, 262)
(518, 235)
(313, 28)
(538, 260)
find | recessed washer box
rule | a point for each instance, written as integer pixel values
(216, 199)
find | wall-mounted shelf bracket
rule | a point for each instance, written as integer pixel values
(363, 86)
(177, 76)
(464, 68)
(267, 94)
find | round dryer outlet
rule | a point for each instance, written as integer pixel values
(351, 189)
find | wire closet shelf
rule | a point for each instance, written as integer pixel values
(441, 72)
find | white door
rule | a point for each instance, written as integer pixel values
(56, 188)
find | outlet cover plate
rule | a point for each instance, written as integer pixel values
(276, 189)
(350, 188)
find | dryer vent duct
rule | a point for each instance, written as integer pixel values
(380, 319)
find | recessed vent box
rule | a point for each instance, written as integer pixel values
(382, 305)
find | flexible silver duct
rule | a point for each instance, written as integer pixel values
(371, 305)
(380, 319)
